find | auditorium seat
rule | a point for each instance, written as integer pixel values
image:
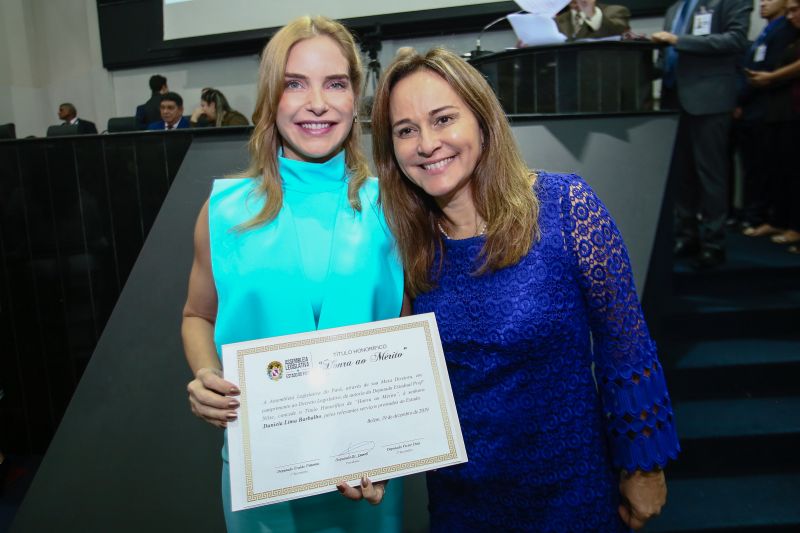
(7, 131)
(118, 124)
(61, 130)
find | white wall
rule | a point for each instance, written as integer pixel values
(236, 77)
(50, 53)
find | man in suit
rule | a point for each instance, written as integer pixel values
(586, 19)
(753, 132)
(706, 39)
(150, 111)
(69, 115)
(171, 109)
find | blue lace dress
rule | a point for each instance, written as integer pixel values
(546, 443)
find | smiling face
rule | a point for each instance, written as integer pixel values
(437, 139)
(315, 113)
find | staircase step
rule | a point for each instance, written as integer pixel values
(709, 319)
(740, 456)
(758, 274)
(746, 255)
(734, 368)
(766, 297)
(744, 503)
(730, 342)
(742, 437)
(740, 352)
(685, 281)
(737, 418)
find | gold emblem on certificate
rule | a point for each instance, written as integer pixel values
(275, 370)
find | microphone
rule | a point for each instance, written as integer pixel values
(478, 52)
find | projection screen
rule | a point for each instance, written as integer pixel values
(196, 18)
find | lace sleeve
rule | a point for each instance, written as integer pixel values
(631, 381)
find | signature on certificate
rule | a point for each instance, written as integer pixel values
(358, 448)
(404, 446)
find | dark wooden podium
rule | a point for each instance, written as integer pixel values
(578, 77)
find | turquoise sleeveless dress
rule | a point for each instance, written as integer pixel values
(319, 264)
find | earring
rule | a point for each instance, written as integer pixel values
(355, 118)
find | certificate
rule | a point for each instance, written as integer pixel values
(321, 407)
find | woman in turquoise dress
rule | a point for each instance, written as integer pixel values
(297, 243)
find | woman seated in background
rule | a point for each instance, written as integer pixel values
(276, 250)
(217, 112)
(534, 297)
(783, 114)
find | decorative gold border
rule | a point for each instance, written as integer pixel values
(326, 483)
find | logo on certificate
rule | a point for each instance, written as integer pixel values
(275, 370)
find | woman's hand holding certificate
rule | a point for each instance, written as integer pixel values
(212, 398)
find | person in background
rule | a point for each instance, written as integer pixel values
(198, 118)
(150, 111)
(560, 395)
(783, 117)
(586, 19)
(171, 113)
(297, 243)
(706, 40)
(69, 115)
(754, 139)
(216, 110)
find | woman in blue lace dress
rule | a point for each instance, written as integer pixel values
(561, 397)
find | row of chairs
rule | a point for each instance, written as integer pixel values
(120, 124)
(115, 125)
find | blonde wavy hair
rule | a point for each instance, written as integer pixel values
(501, 182)
(266, 139)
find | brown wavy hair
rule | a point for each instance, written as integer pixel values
(501, 182)
(266, 139)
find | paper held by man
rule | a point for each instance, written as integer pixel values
(331, 405)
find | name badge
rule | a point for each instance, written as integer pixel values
(702, 24)
(761, 53)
